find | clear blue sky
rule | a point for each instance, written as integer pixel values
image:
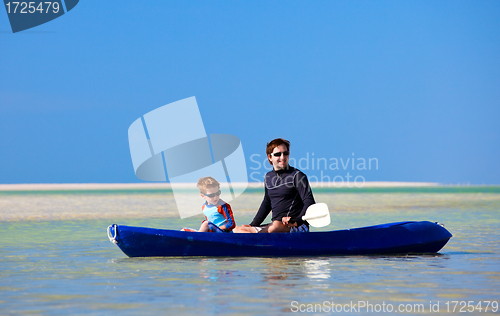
(414, 84)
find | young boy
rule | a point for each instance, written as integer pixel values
(218, 214)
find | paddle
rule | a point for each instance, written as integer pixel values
(317, 215)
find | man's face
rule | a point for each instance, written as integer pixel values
(280, 161)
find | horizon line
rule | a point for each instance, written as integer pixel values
(253, 185)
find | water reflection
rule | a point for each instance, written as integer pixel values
(293, 271)
(209, 270)
(317, 268)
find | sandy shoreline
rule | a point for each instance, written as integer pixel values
(167, 186)
(144, 203)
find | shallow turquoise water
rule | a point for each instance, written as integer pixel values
(66, 267)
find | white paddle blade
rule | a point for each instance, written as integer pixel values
(317, 215)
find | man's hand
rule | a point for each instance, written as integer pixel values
(286, 222)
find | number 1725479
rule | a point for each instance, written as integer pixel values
(471, 306)
(32, 7)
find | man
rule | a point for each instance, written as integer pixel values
(287, 194)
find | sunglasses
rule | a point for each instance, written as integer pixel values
(211, 195)
(286, 153)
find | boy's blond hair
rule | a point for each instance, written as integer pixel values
(207, 182)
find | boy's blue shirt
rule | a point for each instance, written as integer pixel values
(212, 214)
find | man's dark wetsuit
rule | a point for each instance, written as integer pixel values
(287, 193)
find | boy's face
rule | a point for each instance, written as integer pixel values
(214, 199)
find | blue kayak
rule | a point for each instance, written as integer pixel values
(392, 238)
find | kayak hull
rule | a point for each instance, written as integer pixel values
(392, 238)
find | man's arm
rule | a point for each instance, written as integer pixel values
(302, 185)
(264, 209)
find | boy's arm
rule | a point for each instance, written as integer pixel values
(228, 214)
(202, 209)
